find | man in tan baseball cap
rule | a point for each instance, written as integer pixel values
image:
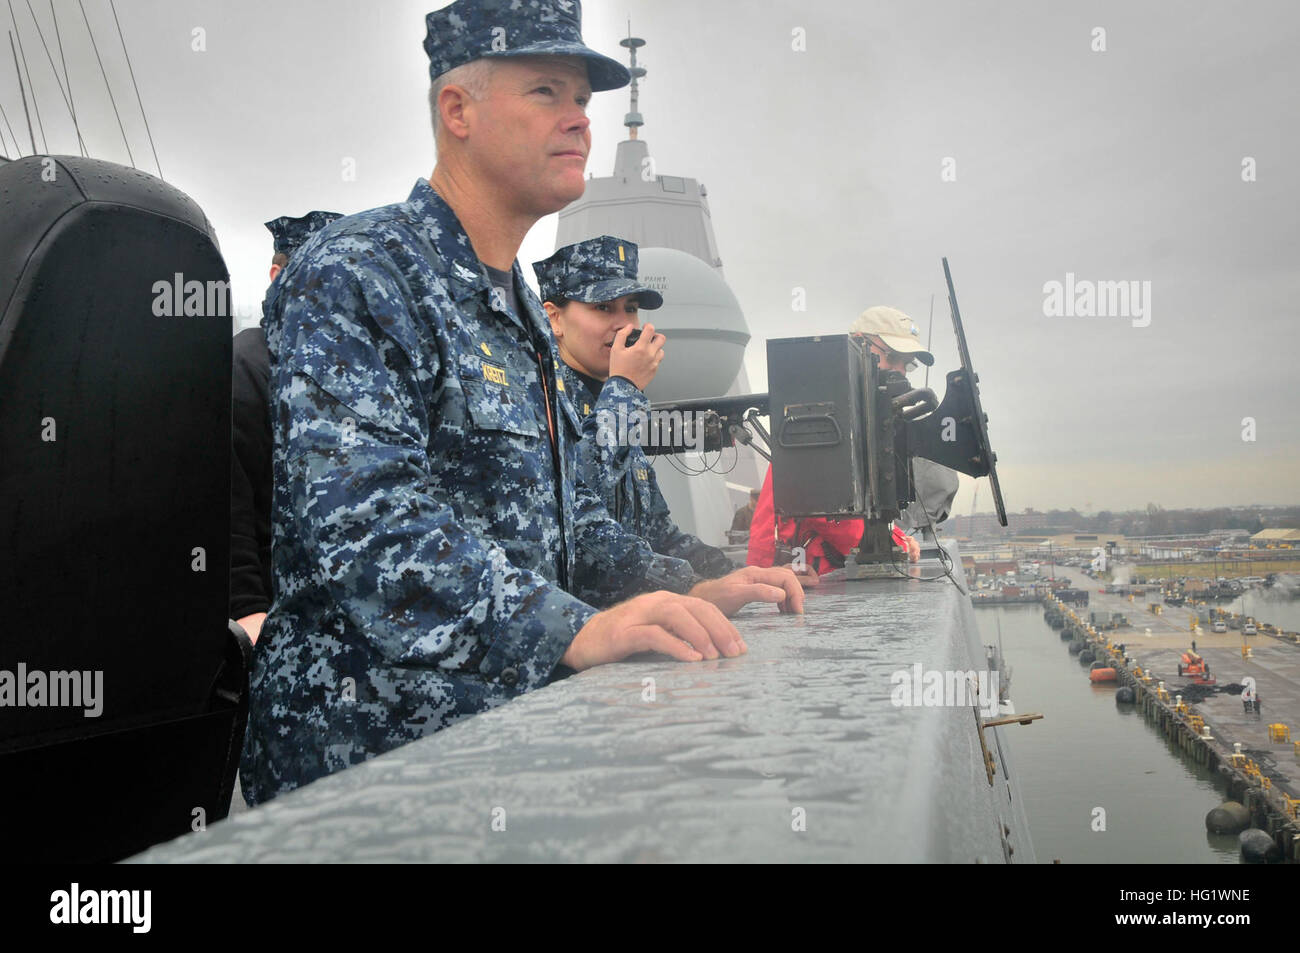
(894, 336)
(896, 340)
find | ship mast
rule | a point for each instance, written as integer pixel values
(633, 119)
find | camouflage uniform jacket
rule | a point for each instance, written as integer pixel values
(623, 477)
(425, 526)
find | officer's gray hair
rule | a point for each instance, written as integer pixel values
(475, 77)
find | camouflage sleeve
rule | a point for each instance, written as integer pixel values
(664, 535)
(605, 455)
(422, 589)
(612, 565)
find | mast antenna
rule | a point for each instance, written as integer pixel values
(633, 119)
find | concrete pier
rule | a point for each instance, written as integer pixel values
(1265, 775)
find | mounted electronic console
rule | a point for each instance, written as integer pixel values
(844, 433)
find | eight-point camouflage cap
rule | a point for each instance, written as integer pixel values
(472, 29)
(598, 269)
(290, 233)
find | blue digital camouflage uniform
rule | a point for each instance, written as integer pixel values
(289, 234)
(625, 480)
(425, 529)
(603, 269)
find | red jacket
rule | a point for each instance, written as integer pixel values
(841, 535)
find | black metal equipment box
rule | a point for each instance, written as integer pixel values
(819, 439)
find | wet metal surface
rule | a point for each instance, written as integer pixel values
(651, 760)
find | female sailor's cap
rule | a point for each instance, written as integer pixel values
(468, 30)
(595, 270)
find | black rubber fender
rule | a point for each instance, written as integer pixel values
(1257, 847)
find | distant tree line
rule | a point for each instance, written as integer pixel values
(1155, 520)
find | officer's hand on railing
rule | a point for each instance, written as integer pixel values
(688, 629)
(252, 624)
(639, 362)
(807, 576)
(753, 584)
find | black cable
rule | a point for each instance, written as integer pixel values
(944, 559)
(18, 151)
(55, 70)
(31, 136)
(45, 143)
(72, 103)
(735, 460)
(131, 70)
(103, 72)
(681, 467)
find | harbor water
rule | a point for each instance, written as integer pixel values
(1088, 756)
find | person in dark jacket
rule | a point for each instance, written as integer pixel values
(250, 477)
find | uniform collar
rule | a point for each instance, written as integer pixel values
(577, 387)
(466, 275)
(465, 272)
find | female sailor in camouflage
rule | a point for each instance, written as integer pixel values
(592, 296)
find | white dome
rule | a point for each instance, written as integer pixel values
(702, 320)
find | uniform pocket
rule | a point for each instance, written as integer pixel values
(493, 408)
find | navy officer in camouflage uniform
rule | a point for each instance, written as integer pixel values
(593, 299)
(428, 526)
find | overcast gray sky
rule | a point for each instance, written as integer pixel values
(825, 171)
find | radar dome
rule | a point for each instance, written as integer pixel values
(702, 320)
